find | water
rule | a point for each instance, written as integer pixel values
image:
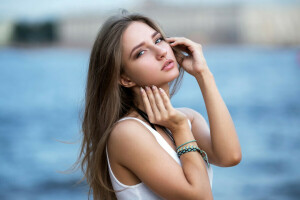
(41, 97)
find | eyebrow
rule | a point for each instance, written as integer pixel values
(142, 43)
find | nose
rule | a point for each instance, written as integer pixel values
(161, 52)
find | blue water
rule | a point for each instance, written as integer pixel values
(42, 95)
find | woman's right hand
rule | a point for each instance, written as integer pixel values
(160, 110)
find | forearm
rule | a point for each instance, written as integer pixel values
(194, 168)
(225, 142)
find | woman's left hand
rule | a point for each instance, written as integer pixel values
(194, 63)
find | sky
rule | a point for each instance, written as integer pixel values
(46, 9)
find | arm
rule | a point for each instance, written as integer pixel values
(224, 140)
(143, 156)
(222, 144)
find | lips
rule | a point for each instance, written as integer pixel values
(169, 64)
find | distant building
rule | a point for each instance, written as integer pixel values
(6, 32)
(232, 24)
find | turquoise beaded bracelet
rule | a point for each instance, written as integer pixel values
(205, 158)
(191, 148)
(187, 149)
(185, 144)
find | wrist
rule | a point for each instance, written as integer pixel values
(205, 79)
(203, 74)
(181, 128)
(182, 136)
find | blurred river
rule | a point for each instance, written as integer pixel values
(41, 95)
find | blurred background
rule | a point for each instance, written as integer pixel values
(251, 47)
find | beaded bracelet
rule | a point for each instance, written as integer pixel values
(185, 144)
(187, 149)
(191, 148)
(205, 158)
(184, 148)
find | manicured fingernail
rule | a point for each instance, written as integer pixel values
(161, 90)
(153, 87)
(142, 90)
(147, 88)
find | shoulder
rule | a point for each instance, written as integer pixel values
(129, 129)
(126, 135)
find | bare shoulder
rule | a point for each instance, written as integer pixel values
(123, 129)
(127, 132)
(125, 135)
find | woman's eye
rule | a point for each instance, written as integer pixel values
(156, 42)
(159, 40)
(140, 53)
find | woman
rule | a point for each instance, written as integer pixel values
(135, 144)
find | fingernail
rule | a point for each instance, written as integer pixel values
(142, 90)
(153, 87)
(161, 90)
(147, 88)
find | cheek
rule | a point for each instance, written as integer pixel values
(146, 64)
(142, 71)
(145, 72)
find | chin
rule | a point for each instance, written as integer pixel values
(176, 71)
(173, 75)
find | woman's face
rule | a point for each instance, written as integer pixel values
(147, 58)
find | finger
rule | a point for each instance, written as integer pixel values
(147, 105)
(166, 100)
(153, 104)
(170, 39)
(182, 48)
(181, 41)
(175, 41)
(159, 101)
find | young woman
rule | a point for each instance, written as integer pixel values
(135, 144)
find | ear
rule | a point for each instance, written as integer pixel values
(126, 81)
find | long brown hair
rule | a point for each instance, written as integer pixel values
(106, 101)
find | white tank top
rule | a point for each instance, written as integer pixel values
(140, 191)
